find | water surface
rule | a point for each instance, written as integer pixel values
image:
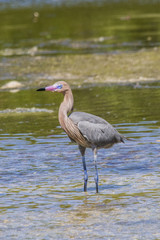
(41, 174)
(71, 27)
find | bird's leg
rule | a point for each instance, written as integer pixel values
(82, 150)
(85, 174)
(95, 164)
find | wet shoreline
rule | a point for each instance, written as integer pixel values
(82, 70)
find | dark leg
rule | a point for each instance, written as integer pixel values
(82, 150)
(95, 164)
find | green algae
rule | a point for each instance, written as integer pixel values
(32, 71)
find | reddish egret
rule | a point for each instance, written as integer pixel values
(87, 130)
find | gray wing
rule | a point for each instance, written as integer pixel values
(96, 130)
(82, 116)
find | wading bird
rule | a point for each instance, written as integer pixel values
(87, 130)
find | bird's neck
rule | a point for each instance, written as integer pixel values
(65, 107)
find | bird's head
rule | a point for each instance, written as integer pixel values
(60, 86)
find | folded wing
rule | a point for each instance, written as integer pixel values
(96, 130)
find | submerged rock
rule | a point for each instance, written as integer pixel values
(12, 85)
(26, 110)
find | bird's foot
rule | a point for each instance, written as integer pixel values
(85, 187)
(85, 180)
(97, 188)
(96, 182)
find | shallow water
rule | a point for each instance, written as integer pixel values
(71, 27)
(41, 176)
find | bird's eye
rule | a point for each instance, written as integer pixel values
(59, 86)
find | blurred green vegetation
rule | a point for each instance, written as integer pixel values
(109, 25)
